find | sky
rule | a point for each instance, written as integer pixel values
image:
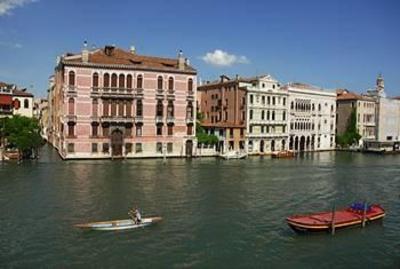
(331, 44)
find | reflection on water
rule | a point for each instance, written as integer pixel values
(216, 213)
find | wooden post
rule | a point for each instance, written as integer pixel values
(364, 217)
(333, 221)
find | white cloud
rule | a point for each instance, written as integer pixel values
(222, 58)
(11, 45)
(7, 5)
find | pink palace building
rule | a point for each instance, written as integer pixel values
(113, 103)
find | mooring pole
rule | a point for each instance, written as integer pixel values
(364, 217)
(333, 221)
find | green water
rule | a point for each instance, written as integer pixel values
(217, 214)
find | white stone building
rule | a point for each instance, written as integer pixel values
(23, 103)
(267, 116)
(312, 118)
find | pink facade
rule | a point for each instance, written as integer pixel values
(111, 103)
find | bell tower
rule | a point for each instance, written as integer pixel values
(380, 84)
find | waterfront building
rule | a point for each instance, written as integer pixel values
(6, 99)
(223, 106)
(364, 108)
(387, 118)
(267, 115)
(14, 101)
(110, 103)
(312, 113)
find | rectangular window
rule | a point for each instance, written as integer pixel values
(138, 147)
(251, 99)
(189, 129)
(106, 131)
(170, 129)
(106, 148)
(71, 148)
(95, 130)
(263, 100)
(170, 147)
(159, 147)
(94, 148)
(159, 129)
(139, 130)
(128, 131)
(128, 147)
(71, 130)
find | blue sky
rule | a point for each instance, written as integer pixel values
(327, 43)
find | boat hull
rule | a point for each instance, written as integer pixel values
(115, 225)
(322, 222)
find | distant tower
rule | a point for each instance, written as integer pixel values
(380, 84)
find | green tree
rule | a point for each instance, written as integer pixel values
(202, 136)
(351, 135)
(22, 133)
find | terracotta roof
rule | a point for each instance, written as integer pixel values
(116, 56)
(223, 125)
(3, 84)
(348, 96)
(22, 93)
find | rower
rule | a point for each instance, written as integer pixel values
(138, 216)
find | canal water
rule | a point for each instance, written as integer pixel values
(217, 214)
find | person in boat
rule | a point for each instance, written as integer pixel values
(138, 216)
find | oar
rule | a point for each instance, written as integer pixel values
(333, 221)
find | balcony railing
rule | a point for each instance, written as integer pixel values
(170, 119)
(139, 119)
(124, 119)
(71, 91)
(189, 120)
(159, 119)
(70, 118)
(117, 92)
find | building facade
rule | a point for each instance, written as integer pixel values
(267, 116)
(6, 99)
(312, 118)
(364, 108)
(112, 103)
(223, 106)
(23, 103)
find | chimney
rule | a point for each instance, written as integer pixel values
(181, 61)
(85, 53)
(108, 50)
(133, 49)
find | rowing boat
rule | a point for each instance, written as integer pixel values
(351, 216)
(113, 225)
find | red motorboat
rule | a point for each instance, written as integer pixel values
(356, 214)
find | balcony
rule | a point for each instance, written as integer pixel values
(159, 92)
(159, 119)
(139, 92)
(71, 118)
(71, 91)
(139, 119)
(95, 92)
(170, 119)
(170, 95)
(189, 120)
(117, 93)
(121, 119)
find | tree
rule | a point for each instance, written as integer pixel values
(22, 133)
(202, 136)
(351, 135)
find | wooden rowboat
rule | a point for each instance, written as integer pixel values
(283, 154)
(352, 216)
(113, 225)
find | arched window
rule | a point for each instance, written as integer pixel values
(284, 115)
(129, 81)
(139, 108)
(71, 106)
(106, 108)
(189, 110)
(106, 80)
(319, 107)
(170, 109)
(114, 80)
(262, 114)
(190, 85)
(129, 109)
(273, 115)
(160, 83)
(94, 107)
(171, 83)
(139, 82)
(159, 108)
(268, 115)
(113, 108)
(26, 103)
(95, 80)
(292, 105)
(120, 108)
(121, 81)
(71, 78)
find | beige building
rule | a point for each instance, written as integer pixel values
(267, 115)
(365, 109)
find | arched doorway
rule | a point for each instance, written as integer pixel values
(117, 140)
(296, 143)
(283, 144)
(273, 145)
(189, 148)
(308, 143)
(302, 143)
(291, 143)
(262, 146)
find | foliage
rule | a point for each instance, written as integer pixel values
(202, 136)
(22, 133)
(351, 135)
